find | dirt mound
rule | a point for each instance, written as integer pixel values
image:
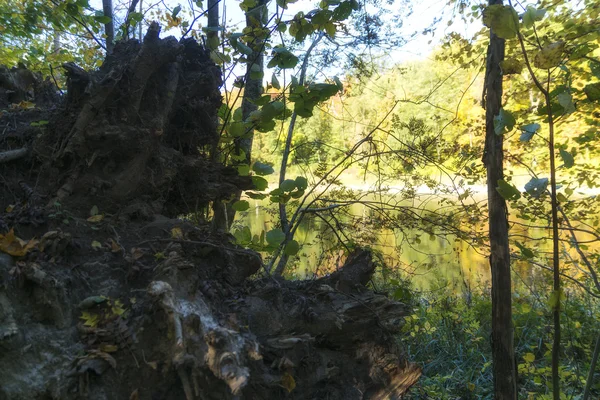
(104, 295)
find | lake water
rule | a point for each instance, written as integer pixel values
(426, 262)
(429, 262)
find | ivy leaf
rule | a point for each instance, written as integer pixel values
(536, 187)
(241, 205)
(504, 122)
(549, 56)
(275, 237)
(502, 20)
(262, 168)
(567, 158)
(508, 191)
(291, 248)
(528, 131)
(532, 15)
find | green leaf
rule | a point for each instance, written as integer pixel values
(342, 11)
(536, 186)
(511, 66)
(528, 131)
(296, 194)
(260, 183)
(239, 156)
(592, 91)
(136, 16)
(549, 56)
(103, 19)
(242, 48)
(262, 168)
(243, 170)
(176, 11)
(525, 252)
(288, 185)
(275, 82)
(237, 128)
(529, 358)
(272, 110)
(567, 158)
(291, 248)
(532, 15)
(301, 183)
(94, 211)
(256, 196)
(565, 99)
(502, 20)
(508, 191)
(282, 58)
(241, 205)
(556, 298)
(504, 122)
(275, 237)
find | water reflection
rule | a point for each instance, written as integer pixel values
(424, 261)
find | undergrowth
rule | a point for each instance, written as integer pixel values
(448, 335)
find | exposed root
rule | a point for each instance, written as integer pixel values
(11, 155)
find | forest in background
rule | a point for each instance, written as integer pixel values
(334, 123)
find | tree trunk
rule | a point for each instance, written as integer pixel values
(504, 366)
(109, 27)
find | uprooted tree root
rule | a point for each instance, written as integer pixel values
(130, 304)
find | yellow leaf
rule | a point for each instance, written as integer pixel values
(10, 207)
(96, 245)
(109, 348)
(24, 105)
(152, 364)
(471, 386)
(288, 382)
(96, 218)
(89, 319)
(529, 357)
(177, 233)
(14, 246)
